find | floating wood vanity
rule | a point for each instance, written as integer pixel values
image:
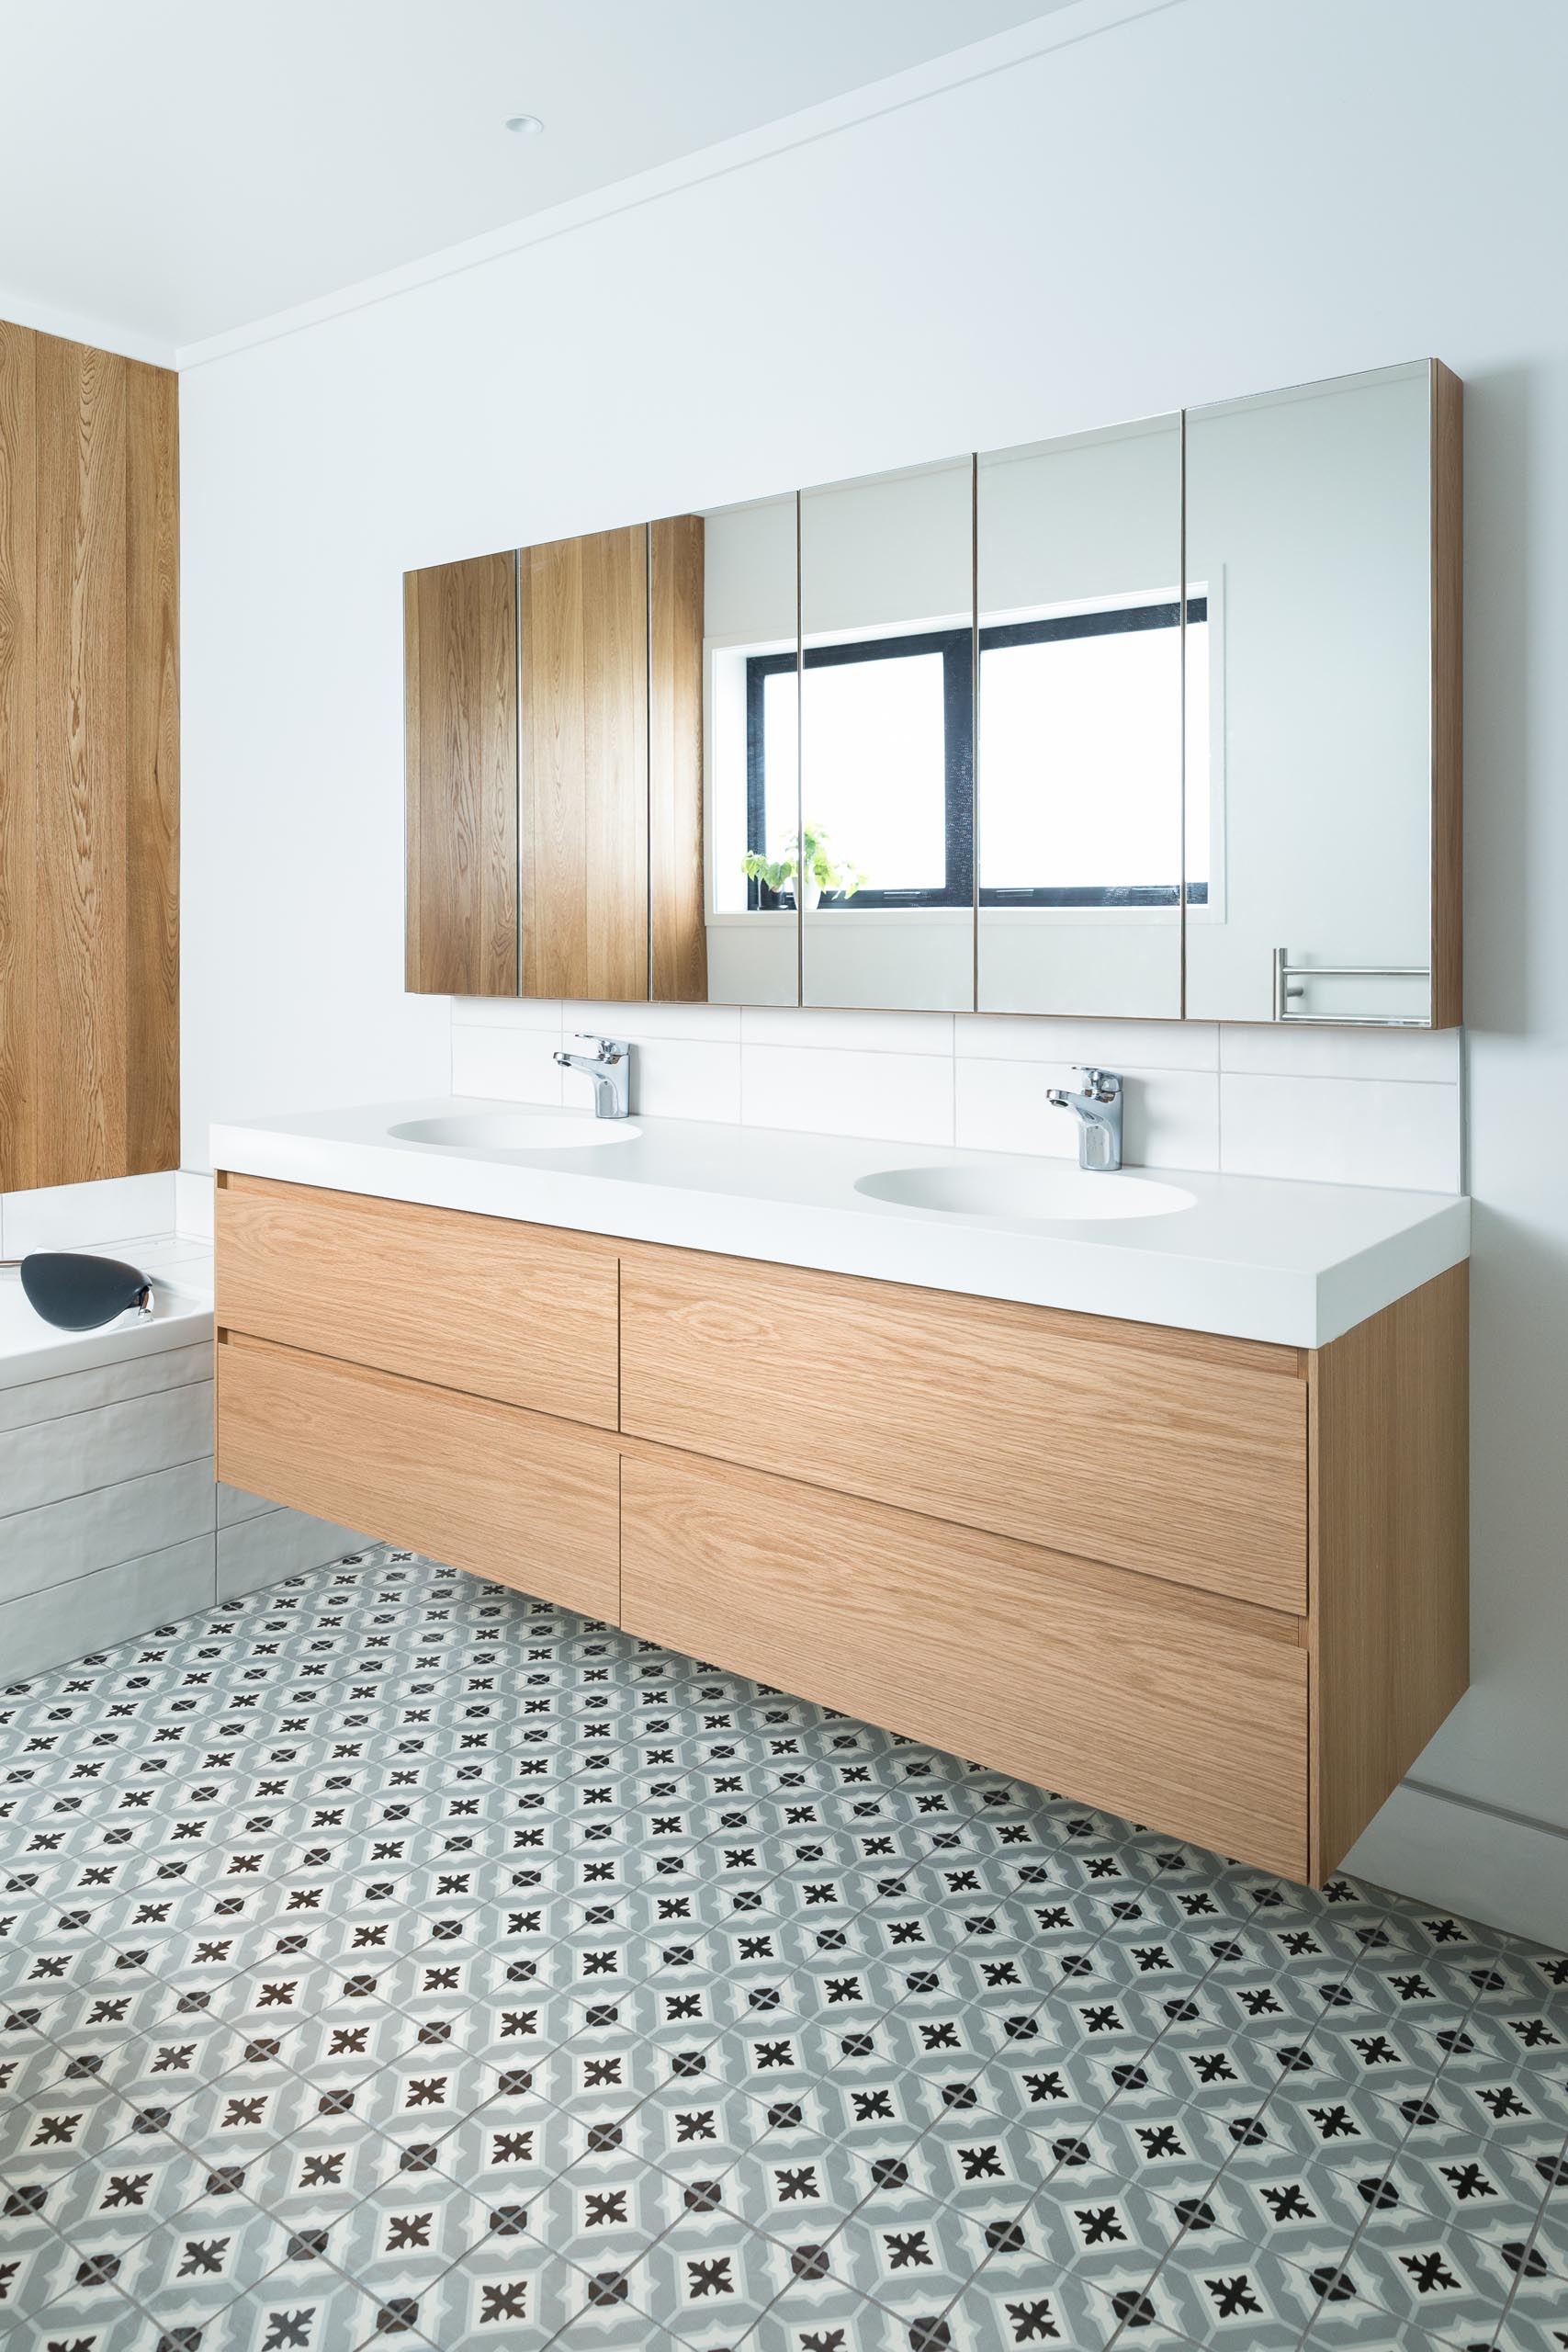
(1216, 1584)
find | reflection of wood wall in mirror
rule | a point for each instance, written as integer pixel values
(1448, 697)
(678, 949)
(89, 764)
(583, 609)
(460, 687)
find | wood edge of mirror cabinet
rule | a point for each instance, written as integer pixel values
(582, 607)
(678, 939)
(460, 755)
(1447, 1009)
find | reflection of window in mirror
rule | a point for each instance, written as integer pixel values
(749, 600)
(1091, 693)
(1088, 692)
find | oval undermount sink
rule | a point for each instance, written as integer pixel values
(517, 1131)
(1044, 1193)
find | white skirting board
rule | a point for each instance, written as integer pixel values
(1484, 1864)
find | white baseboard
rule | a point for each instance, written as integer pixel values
(1486, 1865)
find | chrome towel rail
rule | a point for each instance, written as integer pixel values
(1289, 982)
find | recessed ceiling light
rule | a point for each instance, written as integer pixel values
(528, 125)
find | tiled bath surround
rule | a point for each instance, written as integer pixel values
(109, 1518)
(1341, 1106)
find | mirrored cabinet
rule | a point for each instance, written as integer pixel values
(1322, 544)
(1156, 723)
(1080, 659)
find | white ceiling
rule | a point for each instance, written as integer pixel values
(175, 168)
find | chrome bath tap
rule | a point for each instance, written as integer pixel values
(610, 1067)
(1098, 1112)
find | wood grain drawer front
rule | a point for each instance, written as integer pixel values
(1190, 1466)
(512, 1311)
(1117, 1691)
(474, 1483)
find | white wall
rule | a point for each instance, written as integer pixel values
(1214, 199)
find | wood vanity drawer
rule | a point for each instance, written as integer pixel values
(477, 1485)
(1171, 1453)
(517, 1312)
(1142, 1698)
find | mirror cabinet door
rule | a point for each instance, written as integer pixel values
(582, 608)
(886, 882)
(461, 808)
(677, 929)
(1078, 790)
(752, 750)
(1309, 550)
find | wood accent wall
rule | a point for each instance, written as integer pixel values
(461, 690)
(584, 608)
(678, 966)
(89, 764)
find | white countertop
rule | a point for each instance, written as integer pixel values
(1246, 1256)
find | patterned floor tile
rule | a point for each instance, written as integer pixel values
(389, 1959)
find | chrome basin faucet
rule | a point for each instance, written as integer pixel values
(1099, 1110)
(610, 1067)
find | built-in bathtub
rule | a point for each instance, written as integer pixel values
(110, 1519)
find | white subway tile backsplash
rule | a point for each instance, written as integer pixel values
(807, 1027)
(512, 1065)
(1172, 1117)
(1264, 1099)
(506, 1013)
(678, 1077)
(906, 1098)
(1341, 1131)
(712, 1023)
(1273, 1050)
(1113, 1045)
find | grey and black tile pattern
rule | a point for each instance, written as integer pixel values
(386, 1959)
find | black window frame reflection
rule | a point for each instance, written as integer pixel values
(956, 648)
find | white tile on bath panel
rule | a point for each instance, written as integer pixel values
(56, 1458)
(193, 1203)
(33, 1401)
(714, 1024)
(82, 1216)
(507, 1065)
(1340, 1131)
(68, 1621)
(809, 1027)
(904, 1097)
(507, 1013)
(81, 1533)
(1171, 1117)
(257, 1552)
(234, 1504)
(1110, 1045)
(1275, 1050)
(677, 1077)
